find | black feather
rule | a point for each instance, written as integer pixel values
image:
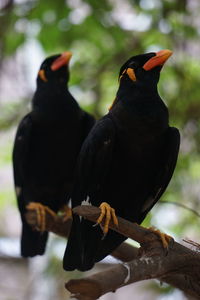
(127, 160)
(46, 147)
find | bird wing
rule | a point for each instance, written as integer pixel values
(93, 165)
(167, 166)
(94, 161)
(32, 242)
(20, 154)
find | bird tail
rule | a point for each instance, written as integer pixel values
(74, 253)
(85, 245)
(32, 242)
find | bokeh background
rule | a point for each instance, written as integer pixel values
(101, 35)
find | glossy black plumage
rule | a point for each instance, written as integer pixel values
(127, 160)
(46, 146)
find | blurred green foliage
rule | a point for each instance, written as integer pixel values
(102, 35)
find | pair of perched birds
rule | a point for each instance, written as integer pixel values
(122, 163)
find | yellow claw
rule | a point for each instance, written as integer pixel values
(165, 238)
(109, 213)
(67, 212)
(41, 214)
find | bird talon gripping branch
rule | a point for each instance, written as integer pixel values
(45, 151)
(109, 213)
(41, 214)
(67, 212)
(165, 238)
(128, 157)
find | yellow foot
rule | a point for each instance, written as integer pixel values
(109, 213)
(165, 239)
(67, 212)
(41, 213)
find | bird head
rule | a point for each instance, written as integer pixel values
(54, 69)
(140, 74)
(144, 69)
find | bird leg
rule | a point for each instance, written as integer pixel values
(41, 212)
(165, 238)
(109, 213)
(67, 212)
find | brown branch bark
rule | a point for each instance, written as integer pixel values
(59, 226)
(163, 268)
(56, 225)
(178, 267)
(145, 237)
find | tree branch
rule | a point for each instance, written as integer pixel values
(145, 237)
(182, 206)
(143, 268)
(56, 225)
(61, 227)
(178, 267)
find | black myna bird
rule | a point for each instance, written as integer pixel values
(126, 162)
(46, 147)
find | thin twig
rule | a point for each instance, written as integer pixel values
(195, 244)
(181, 205)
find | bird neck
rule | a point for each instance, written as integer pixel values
(137, 108)
(132, 93)
(51, 88)
(50, 105)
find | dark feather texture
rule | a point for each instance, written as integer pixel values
(127, 160)
(46, 147)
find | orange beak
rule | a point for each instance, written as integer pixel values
(61, 61)
(158, 60)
